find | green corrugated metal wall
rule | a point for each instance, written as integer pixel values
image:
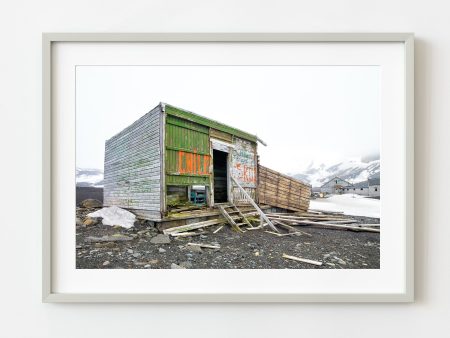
(187, 152)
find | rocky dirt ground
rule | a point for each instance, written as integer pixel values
(142, 247)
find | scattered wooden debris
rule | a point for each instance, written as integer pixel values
(345, 227)
(304, 260)
(288, 217)
(286, 221)
(291, 229)
(218, 229)
(229, 219)
(283, 220)
(209, 246)
(253, 203)
(280, 235)
(193, 226)
(186, 234)
(202, 224)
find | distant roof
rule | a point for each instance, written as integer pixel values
(336, 177)
(358, 185)
(374, 181)
(193, 117)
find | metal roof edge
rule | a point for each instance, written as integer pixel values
(194, 117)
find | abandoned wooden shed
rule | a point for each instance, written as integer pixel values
(170, 156)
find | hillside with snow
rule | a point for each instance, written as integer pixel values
(88, 177)
(352, 170)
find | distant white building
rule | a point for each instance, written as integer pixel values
(374, 187)
(360, 188)
(370, 188)
(335, 186)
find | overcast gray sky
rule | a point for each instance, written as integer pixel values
(303, 113)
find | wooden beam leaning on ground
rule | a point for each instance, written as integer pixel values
(328, 225)
(303, 260)
(218, 229)
(209, 246)
(252, 202)
(291, 229)
(186, 234)
(313, 218)
(282, 235)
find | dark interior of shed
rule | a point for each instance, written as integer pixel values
(220, 176)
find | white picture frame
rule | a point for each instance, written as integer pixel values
(49, 294)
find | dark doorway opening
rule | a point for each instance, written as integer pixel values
(220, 168)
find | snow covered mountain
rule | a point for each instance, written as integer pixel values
(87, 177)
(352, 170)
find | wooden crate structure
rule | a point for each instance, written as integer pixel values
(279, 190)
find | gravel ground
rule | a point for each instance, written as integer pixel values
(134, 248)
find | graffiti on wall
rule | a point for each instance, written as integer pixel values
(243, 166)
(192, 163)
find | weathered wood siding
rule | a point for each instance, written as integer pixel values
(133, 166)
(282, 191)
(244, 169)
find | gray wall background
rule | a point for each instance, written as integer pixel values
(23, 314)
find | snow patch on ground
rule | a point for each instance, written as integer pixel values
(349, 204)
(115, 216)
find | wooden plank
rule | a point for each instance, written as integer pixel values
(329, 219)
(246, 221)
(327, 225)
(193, 226)
(218, 229)
(339, 226)
(303, 260)
(201, 245)
(186, 234)
(278, 234)
(228, 218)
(291, 229)
(199, 225)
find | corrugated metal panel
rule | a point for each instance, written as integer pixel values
(188, 156)
(132, 170)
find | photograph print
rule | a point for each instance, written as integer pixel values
(227, 167)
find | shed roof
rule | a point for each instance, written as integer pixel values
(190, 116)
